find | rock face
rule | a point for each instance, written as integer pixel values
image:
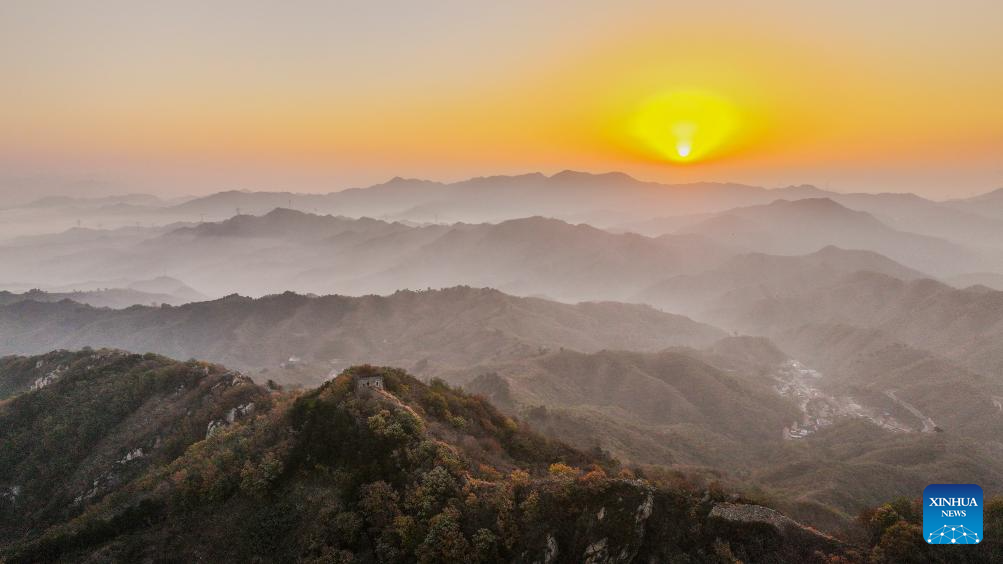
(550, 554)
(737, 512)
(596, 552)
(773, 527)
(132, 455)
(610, 525)
(49, 378)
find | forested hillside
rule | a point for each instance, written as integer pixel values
(151, 459)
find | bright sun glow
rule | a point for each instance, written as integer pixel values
(686, 126)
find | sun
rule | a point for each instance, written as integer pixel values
(686, 126)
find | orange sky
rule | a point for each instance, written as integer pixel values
(186, 98)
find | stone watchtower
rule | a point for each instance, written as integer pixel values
(366, 383)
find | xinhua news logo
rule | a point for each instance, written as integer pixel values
(952, 514)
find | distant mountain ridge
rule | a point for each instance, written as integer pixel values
(116, 298)
(423, 199)
(756, 275)
(989, 204)
(492, 198)
(965, 326)
(806, 225)
(605, 200)
(455, 327)
(292, 250)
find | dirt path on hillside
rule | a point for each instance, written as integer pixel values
(928, 425)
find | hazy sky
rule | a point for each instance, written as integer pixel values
(188, 97)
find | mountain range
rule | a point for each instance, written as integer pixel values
(291, 250)
(605, 200)
(802, 349)
(117, 294)
(533, 256)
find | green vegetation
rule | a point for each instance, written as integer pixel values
(96, 420)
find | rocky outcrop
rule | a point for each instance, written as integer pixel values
(48, 378)
(9, 495)
(742, 513)
(765, 529)
(131, 455)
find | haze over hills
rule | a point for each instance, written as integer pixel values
(667, 407)
(531, 256)
(902, 212)
(910, 382)
(990, 280)
(567, 195)
(989, 204)
(94, 202)
(601, 199)
(116, 298)
(962, 325)
(490, 199)
(115, 293)
(803, 226)
(937, 238)
(719, 409)
(751, 277)
(604, 200)
(291, 250)
(455, 327)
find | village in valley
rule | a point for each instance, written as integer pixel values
(819, 409)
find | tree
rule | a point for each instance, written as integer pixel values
(902, 543)
(435, 488)
(378, 501)
(255, 479)
(485, 546)
(561, 470)
(444, 542)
